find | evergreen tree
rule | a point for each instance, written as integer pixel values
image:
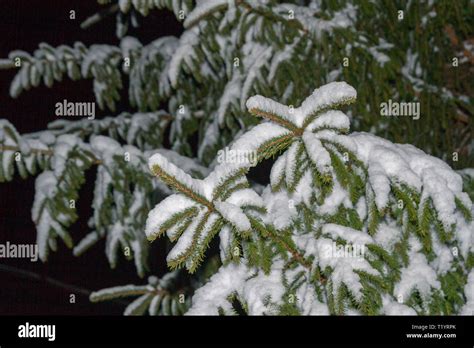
(349, 223)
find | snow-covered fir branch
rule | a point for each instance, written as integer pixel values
(348, 223)
(405, 210)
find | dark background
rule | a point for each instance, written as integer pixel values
(23, 25)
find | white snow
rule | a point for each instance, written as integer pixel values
(347, 233)
(278, 170)
(311, 21)
(308, 303)
(203, 8)
(208, 298)
(406, 164)
(324, 97)
(164, 211)
(256, 56)
(468, 308)
(279, 213)
(129, 44)
(185, 242)
(392, 307)
(444, 256)
(234, 215)
(290, 169)
(85, 243)
(317, 153)
(268, 105)
(337, 197)
(387, 235)
(138, 306)
(245, 197)
(343, 267)
(175, 172)
(279, 57)
(46, 186)
(230, 96)
(184, 53)
(387, 165)
(189, 165)
(105, 147)
(64, 144)
(380, 183)
(225, 235)
(464, 235)
(235, 279)
(418, 275)
(330, 119)
(247, 144)
(331, 136)
(301, 193)
(257, 289)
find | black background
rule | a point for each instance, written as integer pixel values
(23, 25)
(244, 331)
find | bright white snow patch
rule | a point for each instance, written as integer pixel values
(175, 172)
(418, 275)
(211, 296)
(391, 307)
(164, 211)
(203, 7)
(317, 153)
(234, 215)
(324, 97)
(468, 308)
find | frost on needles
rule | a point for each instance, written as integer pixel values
(329, 191)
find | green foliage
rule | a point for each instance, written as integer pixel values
(159, 297)
(323, 193)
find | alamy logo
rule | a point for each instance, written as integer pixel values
(75, 109)
(237, 156)
(392, 108)
(334, 250)
(23, 251)
(37, 331)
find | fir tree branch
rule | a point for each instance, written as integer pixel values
(275, 143)
(82, 132)
(6, 64)
(47, 152)
(290, 22)
(96, 18)
(138, 292)
(266, 232)
(275, 118)
(171, 181)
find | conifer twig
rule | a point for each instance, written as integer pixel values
(275, 118)
(96, 18)
(181, 188)
(47, 152)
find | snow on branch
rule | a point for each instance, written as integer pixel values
(144, 7)
(355, 194)
(195, 214)
(160, 296)
(104, 64)
(328, 97)
(203, 9)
